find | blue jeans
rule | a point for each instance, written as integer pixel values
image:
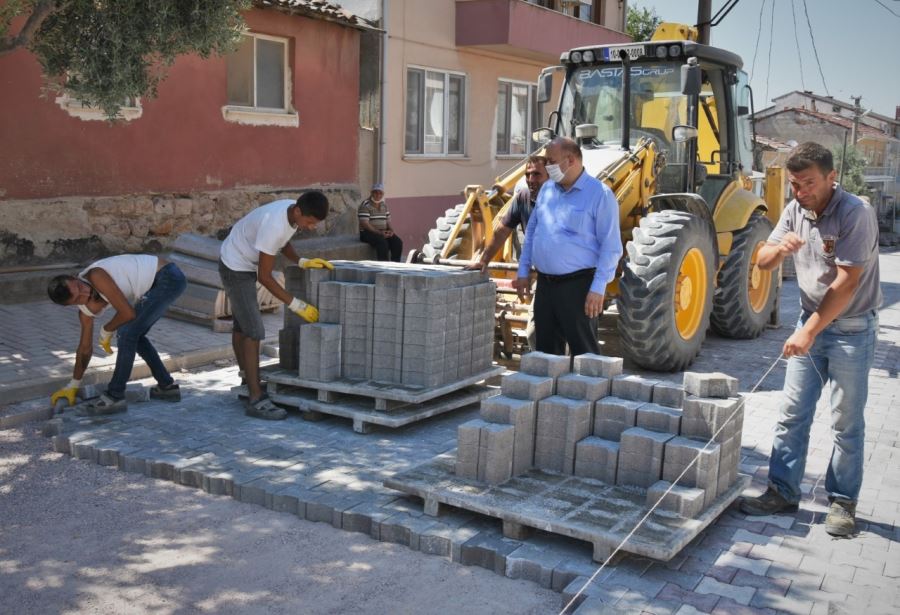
(168, 285)
(843, 354)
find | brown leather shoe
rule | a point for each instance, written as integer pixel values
(769, 503)
(841, 518)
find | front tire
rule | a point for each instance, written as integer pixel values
(666, 290)
(745, 294)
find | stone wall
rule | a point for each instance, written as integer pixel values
(79, 229)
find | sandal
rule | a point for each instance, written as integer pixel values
(103, 405)
(263, 408)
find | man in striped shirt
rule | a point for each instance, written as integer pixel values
(375, 226)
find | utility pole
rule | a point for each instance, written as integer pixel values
(704, 15)
(857, 113)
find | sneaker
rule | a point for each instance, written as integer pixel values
(769, 503)
(104, 405)
(263, 408)
(167, 393)
(841, 518)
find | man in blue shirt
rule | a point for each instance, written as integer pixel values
(573, 241)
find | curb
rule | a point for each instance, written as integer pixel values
(39, 387)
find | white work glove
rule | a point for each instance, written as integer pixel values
(314, 263)
(105, 340)
(307, 312)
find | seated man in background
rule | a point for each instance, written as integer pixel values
(375, 226)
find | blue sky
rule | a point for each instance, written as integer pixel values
(858, 43)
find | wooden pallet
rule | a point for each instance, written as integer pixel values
(573, 506)
(370, 403)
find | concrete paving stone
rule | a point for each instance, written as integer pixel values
(686, 502)
(405, 529)
(533, 563)
(633, 387)
(715, 384)
(741, 595)
(577, 386)
(613, 415)
(526, 386)
(656, 417)
(776, 553)
(596, 365)
(726, 606)
(701, 602)
(543, 364)
(755, 566)
(668, 394)
(488, 550)
(744, 578)
(685, 580)
(779, 603)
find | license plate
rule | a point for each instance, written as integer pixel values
(611, 54)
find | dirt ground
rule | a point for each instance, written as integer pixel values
(80, 538)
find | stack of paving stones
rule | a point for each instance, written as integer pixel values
(415, 325)
(621, 429)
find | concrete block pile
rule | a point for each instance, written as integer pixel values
(599, 423)
(416, 325)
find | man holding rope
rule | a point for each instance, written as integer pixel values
(833, 237)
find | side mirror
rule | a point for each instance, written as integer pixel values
(682, 133)
(545, 85)
(691, 78)
(542, 136)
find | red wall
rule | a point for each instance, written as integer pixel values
(182, 143)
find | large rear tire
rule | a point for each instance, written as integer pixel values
(666, 290)
(438, 236)
(745, 294)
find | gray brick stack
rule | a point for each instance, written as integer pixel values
(719, 416)
(598, 365)
(684, 501)
(357, 328)
(303, 284)
(520, 413)
(613, 415)
(641, 457)
(561, 424)
(597, 458)
(659, 418)
(578, 424)
(321, 356)
(635, 388)
(416, 325)
(702, 465)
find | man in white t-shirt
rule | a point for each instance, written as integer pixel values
(140, 288)
(248, 254)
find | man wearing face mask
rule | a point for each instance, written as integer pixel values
(573, 242)
(375, 226)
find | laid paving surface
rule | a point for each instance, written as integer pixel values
(323, 471)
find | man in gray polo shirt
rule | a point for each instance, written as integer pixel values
(833, 237)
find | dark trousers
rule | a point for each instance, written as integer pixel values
(559, 317)
(384, 246)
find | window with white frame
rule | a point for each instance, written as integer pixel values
(517, 117)
(258, 82)
(435, 112)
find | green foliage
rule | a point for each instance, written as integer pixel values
(102, 52)
(853, 164)
(10, 10)
(640, 24)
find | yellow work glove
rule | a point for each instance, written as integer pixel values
(314, 263)
(307, 312)
(105, 340)
(68, 393)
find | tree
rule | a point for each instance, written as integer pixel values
(853, 164)
(640, 24)
(102, 52)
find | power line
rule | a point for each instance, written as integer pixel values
(815, 51)
(797, 40)
(887, 8)
(758, 34)
(771, 40)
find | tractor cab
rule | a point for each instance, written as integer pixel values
(616, 95)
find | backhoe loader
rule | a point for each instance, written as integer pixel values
(666, 124)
